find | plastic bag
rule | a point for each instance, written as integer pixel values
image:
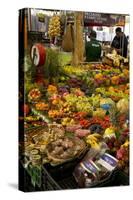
(94, 168)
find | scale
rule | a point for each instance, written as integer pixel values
(38, 57)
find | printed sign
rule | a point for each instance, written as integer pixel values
(100, 19)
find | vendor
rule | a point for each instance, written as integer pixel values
(93, 48)
(120, 42)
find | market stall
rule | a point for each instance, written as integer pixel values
(75, 115)
(105, 25)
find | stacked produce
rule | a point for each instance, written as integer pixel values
(84, 116)
(88, 108)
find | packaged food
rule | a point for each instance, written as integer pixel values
(94, 169)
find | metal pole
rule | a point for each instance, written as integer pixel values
(123, 41)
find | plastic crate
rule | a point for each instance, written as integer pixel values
(59, 177)
(48, 183)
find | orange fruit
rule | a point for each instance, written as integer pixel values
(115, 80)
(98, 76)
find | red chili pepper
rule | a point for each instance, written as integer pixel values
(84, 123)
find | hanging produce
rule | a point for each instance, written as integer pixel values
(41, 17)
(54, 26)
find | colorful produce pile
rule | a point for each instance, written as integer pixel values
(91, 106)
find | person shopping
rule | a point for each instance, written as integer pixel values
(120, 42)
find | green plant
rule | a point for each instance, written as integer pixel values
(28, 68)
(51, 67)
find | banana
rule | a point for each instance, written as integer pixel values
(93, 140)
(126, 144)
(97, 135)
(94, 136)
(93, 144)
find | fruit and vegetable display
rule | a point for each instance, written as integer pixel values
(74, 106)
(85, 110)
